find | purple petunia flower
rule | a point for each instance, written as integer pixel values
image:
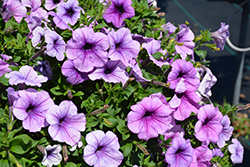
(87, 49)
(118, 11)
(183, 76)
(226, 133)
(4, 67)
(174, 132)
(52, 155)
(55, 45)
(169, 27)
(203, 156)
(123, 47)
(69, 11)
(185, 37)
(27, 75)
(237, 151)
(38, 35)
(136, 71)
(44, 68)
(217, 152)
(112, 72)
(31, 107)
(13, 7)
(153, 47)
(184, 104)
(149, 118)
(220, 36)
(208, 127)
(51, 4)
(74, 76)
(65, 123)
(102, 149)
(180, 153)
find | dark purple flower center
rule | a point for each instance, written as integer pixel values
(148, 113)
(181, 75)
(117, 45)
(120, 8)
(178, 151)
(61, 120)
(180, 95)
(56, 1)
(99, 148)
(87, 46)
(30, 108)
(206, 121)
(70, 11)
(108, 71)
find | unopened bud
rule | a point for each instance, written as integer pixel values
(105, 107)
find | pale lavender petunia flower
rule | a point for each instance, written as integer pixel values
(221, 35)
(52, 155)
(141, 39)
(149, 118)
(118, 11)
(102, 149)
(203, 156)
(184, 104)
(65, 123)
(33, 22)
(14, 7)
(55, 45)
(38, 35)
(217, 152)
(51, 4)
(237, 151)
(153, 47)
(226, 133)
(208, 127)
(87, 49)
(169, 27)
(6, 57)
(31, 107)
(27, 75)
(180, 153)
(69, 11)
(12, 95)
(112, 72)
(183, 76)
(123, 47)
(185, 37)
(4, 67)
(73, 75)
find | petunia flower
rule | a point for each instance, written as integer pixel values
(38, 35)
(237, 151)
(221, 35)
(4, 67)
(14, 7)
(44, 68)
(226, 133)
(136, 71)
(69, 11)
(180, 153)
(217, 152)
(185, 37)
(51, 4)
(203, 156)
(208, 127)
(183, 77)
(55, 45)
(26, 75)
(112, 72)
(87, 49)
(73, 75)
(52, 155)
(102, 149)
(174, 132)
(118, 11)
(169, 27)
(31, 107)
(149, 118)
(123, 47)
(65, 123)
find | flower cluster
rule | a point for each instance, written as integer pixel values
(108, 83)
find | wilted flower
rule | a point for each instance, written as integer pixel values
(237, 151)
(221, 35)
(87, 49)
(31, 107)
(65, 123)
(226, 133)
(52, 155)
(118, 11)
(26, 75)
(149, 118)
(180, 153)
(102, 149)
(209, 125)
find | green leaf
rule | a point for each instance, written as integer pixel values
(157, 55)
(201, 53)
(92, 121)
(55, 92)
(19, 39)
(12, 133)
(4, 81)
(79, 93)
(22, 144)
(4, 163)
(100, 25)
(126, 149)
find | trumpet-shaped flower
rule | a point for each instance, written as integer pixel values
(52, 155)
(38, 35)
(27, 75)
(4, 67)
(149, 118)
(180, 153)
(209, 125)
(87, 49)
(31, 107)
(13, 7)
(118, 11)
(226, 133)
(123, 47)
(237, 151)
(51, 4)
(221, 35)
(65, 123)
(202, 156)
(102, 149)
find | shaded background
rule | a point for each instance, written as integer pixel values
(208, 14)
